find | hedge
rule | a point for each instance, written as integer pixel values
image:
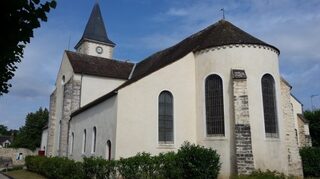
(310, 161)
(191, 161)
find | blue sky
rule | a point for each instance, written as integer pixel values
(142, 27)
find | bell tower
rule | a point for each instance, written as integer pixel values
(95, 41)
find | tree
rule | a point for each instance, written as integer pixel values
(19, 18)
(29, 135)
(4, 130)
(314, 126)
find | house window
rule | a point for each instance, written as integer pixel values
(165, 118)
(269, 106)
(84, 141)
(108, 150)
(214, 106)
(94, 136)
(72, 143)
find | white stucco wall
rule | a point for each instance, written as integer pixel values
(103, 117)
(92, 87)
(137, 126)
(89, 48)
(44, 139)
(256, 61)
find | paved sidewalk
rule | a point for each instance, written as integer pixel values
(3, 176)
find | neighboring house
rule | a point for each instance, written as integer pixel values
(220, 88)
(5, 141)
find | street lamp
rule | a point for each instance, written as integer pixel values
(312, 96)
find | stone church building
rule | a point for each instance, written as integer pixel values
(220, 88)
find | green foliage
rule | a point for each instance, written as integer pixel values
(310, 161)
(314, 126)
(197, 161)
(55, 167)
(97, 167)
(20, 18)
(29, 135)
(191, 161)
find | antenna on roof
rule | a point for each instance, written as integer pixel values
(223, 17)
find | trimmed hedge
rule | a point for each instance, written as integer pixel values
(191, 161)
(310, 161)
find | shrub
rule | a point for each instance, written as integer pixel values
(55, 167)
(197, 161)
(97, 167)
(263, 175)
(310, 161)
(191, 161)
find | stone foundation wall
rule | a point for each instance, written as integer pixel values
(294, 159)
(13, 156)
(71, 102)
(51, 124)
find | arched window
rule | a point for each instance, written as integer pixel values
(165, 117)
(84, 141)
(108, 150)
(94, 136)
(269, 106)
(72, 143)
(214, 105)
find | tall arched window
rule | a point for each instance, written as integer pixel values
(94, 136)
(269, 106)
(165, 117)
(214, 105)
(72, 143)
(108, 150)
(84, 141)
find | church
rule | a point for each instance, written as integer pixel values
(219, 88)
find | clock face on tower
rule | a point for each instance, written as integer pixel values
(99, 50)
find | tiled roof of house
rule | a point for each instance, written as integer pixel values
(4, 138)
(219, 34)
(97, 66)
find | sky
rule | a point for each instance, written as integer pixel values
(142, 27)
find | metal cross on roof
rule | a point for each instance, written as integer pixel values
(223, 17)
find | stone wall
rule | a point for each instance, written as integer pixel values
(71, 102)
(244, 156)
(294, 159)
(13, 154)
(51, 124)
(302, 137)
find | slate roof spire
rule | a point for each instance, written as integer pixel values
(95, 29)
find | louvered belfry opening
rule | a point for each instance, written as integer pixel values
(214, 106)
(165, 117)
(269, 106)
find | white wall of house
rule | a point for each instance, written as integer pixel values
(103, 117)
(93, 87)
(44, 139)
(137, 125)
(256, 61)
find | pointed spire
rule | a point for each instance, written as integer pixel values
(95, 29)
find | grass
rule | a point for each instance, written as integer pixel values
(24, 174)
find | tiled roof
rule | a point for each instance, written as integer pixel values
(219, 34)
(97, 66)
(95, 29)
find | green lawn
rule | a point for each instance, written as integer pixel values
(24, 174)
